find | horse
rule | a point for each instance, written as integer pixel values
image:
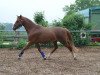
(38, 34)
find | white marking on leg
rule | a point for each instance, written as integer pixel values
(74, 55)
(48, 56)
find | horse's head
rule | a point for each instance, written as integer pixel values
(18, 23)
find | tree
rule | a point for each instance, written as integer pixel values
(70, 9)
(2, 27)
(76, 22)
(57, 23)
(39, 19)
(80, 5)
(83, 4)
(73, 22)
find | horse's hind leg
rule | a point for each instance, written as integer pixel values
(72, 51)
(71, 48)
(55, 48)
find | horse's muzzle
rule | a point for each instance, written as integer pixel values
(14, 28)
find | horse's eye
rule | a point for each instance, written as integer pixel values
(17, 21)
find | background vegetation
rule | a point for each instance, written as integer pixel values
(40, 19)
(80, 5)
(72, 21)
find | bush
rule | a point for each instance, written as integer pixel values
(1, 39)
(76, 22)
(56, 23)
(40, 19)
(21, 43)
(73, 22)
(80, 41)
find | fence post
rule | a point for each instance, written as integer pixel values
(16, 39)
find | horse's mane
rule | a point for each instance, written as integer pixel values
(26, 19)
(31, 22)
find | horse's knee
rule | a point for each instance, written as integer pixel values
(56, 47)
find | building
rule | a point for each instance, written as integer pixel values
(92, 15)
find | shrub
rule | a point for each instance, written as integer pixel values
(80, 41)
(1, 39)
(21, 43)
(76, 22)
(73, 22)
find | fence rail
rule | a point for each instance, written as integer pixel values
(23, 34)
(12, 36)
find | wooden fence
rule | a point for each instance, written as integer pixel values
(11, 36)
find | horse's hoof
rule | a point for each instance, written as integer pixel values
(75, 58)
(44, 58)
(19, 58)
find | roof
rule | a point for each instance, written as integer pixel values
(85, 12)
(95, 8)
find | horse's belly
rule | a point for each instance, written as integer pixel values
(46, 38)
(43, 37)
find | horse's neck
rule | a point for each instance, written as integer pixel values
(29, 26)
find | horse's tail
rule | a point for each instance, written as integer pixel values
(71, 40)
(69, 35)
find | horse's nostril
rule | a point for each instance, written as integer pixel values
(13, 28)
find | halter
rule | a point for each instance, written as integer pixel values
(20, 24)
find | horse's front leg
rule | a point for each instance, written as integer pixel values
(41, 52)
(55, 48)
(22, 51)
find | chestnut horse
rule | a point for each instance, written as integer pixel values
(38, 34)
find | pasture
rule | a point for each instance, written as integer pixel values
(60, 63)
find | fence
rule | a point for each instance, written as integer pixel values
(11, 37)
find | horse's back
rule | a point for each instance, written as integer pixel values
(61, 33)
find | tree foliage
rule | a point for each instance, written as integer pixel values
(56, 23)
(70, 9)
(2, 27)
(80, 5)
(76, 22)
(73, 22)
(83, 4)
(39, 19)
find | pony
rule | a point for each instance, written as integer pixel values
(38, 34)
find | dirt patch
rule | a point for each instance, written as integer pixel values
(60, 63)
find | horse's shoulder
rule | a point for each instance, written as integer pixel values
(35, 32)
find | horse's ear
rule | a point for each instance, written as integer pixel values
(20, 16)
(17, 16)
